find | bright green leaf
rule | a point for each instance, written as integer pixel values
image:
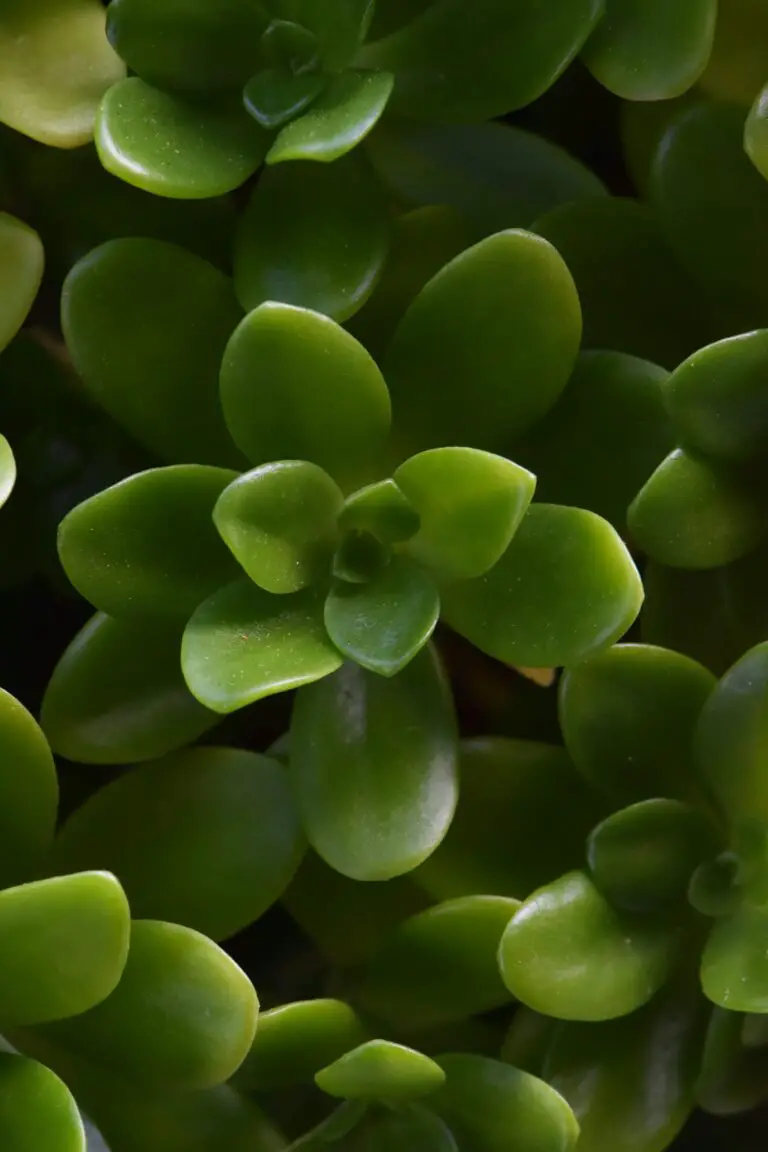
(380, 1070)
(29, 793)
(338, 120)
(37, 1110)
(21, 269)
(7, 470)
(734, 966)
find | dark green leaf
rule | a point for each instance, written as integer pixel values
(275, 96)
(338, 120)
(340, 27)
(21, 268)
(380, 1070)
(381, 509)
(37, 1110)
(29, 793)
(732, 1078)
(528, 1040)
(756, 133)
(409, 1129)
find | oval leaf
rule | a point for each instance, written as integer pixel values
(373, 765)
(37, 1110)
(21, 268)
(380, 1070)
(734, 966)
(732, 1078)
(336, 123)
(276, 95)
(29, 793)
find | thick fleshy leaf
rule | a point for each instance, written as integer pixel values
(635, 296)
(691, 513)
(642, 125)
(567, 953)
(117, 695)
(731, 737)
(610, 1072)
(183, 149)
(734, 966)
(486, 347)
(312, 235)
(146, 324)
(643, 857)
(382, 510)
(716, 398)
(756, 133)
(470, 505)
(380, 1070)
(295, 1041)
(341, 1123)
(64, 946)
(739, 61)
(373, 765)
(338, 120)
(612, 403)
(651, 51)
(182, 1018)
(198, 806)
(339, 28)
(440, 965)
(507, 836)
(408, 1129)
(147, 547)
(448, 66)
(733, 1078)
(383, 624)
(7, 470)
(296, 386)
(29, 793)
(37, 1110)
(21, 270)
(628, 718)
(276, 95)
(279, 521)
(243, 644)
(55, 64)
(492, 1107)
(528, 1040)
(565, 588)
(188, 45)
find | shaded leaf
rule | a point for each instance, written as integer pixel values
(21, 268)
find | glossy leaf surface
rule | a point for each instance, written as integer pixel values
(380, 1070)
(373, 766)
(214, 148)
(64, 946)
(243, 644)
(486, 347)
(568, 954)
(381, 509)
(756, 133)
(734, 965)
(296, 386)
(732, 1078)
(628, 718)
(7, 470)
(146, 324)
(221, 838)
(37, 1110)
(312, 235)
(337, 121)
(21, 270)
(274, 96)
(29, 793)
(565, 587)
(147, 547)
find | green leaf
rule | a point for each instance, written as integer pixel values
(295, 1041)
(440, 965)
(756, 133)
(338, 121)
(495, 175)
(373, 765)
(486, 347)
(340, 28)
(147, 547)
(21, 269)
(45, 92)
(312, 235)
(565, 588)
(628, 718)
(381, 509)
(409, 1129)
(716, 398)
(37, 1110)
(294, 385)
(731, 737)
(653, 50)
(449, 66)
(275, 96)
(279, 522)
(508, 836)
(343, 1120)
(568, 954)
(29, 793)
(188, 45)
(7, 470)
(605, 435)
(173, 147)
(383, 624)
(200, 806)
(380, 1070)
(64, 946)
(361, 559)
(691, 513)
(182, 1018)
(528, 1040)
(288, 44)
(734, 966)
(492, 1107)
(635, 296)
(642, 857)
(470, 505)
(146, 324)
(610, 1072)
(243, 644)
(117, 695)
(732, 1077)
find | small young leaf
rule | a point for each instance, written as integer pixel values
(21, 270)
(384, 623)
(338, 121)
(470, 505)
(339, 28)
(373, 765)
(380, 1070)
(37, 1111)
(29, 793)
(296, 386)
(381, 509)
(734, 966)
(279, 522)
(275, 96)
